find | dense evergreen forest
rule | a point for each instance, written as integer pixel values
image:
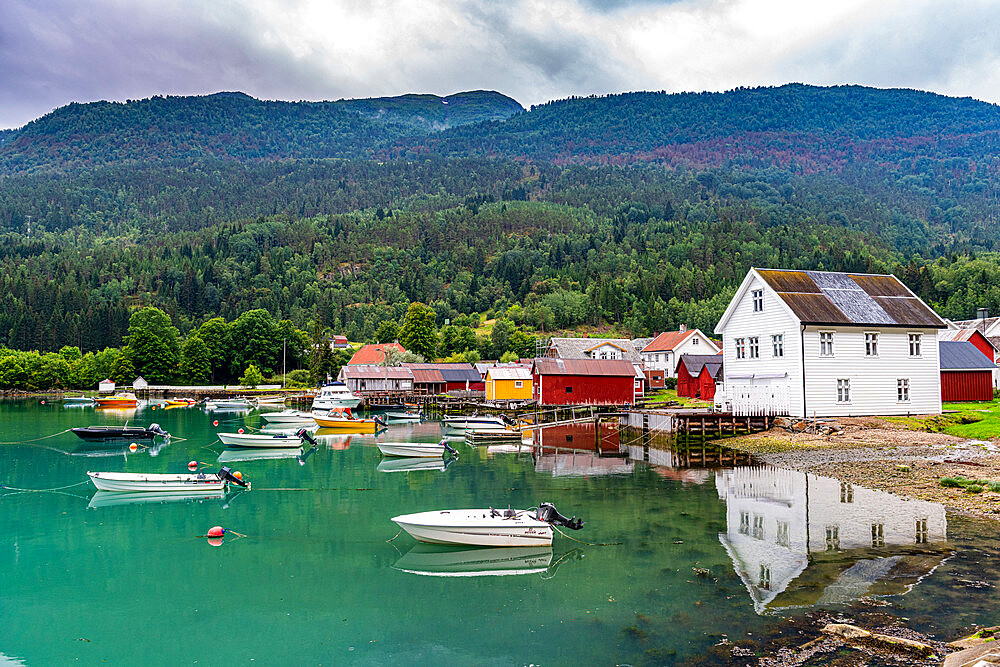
(633, 212)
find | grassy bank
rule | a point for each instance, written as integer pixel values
(980, 421)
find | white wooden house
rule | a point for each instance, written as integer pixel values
(664, 351)
(140, 384)
(106, 386)
(592, 348)
(812, 343)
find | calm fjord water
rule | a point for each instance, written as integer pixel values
(703, 554)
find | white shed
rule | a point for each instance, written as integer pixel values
(140, 383)
(106, 386)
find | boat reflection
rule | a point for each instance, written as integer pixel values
(434, 560)
(115, 498)
(258, 454)
(119, 448)
(411, 464)
(799, 540)
(332, 439)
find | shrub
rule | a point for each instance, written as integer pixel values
(951, 482)
(670, 383)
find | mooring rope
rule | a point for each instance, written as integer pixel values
(589, 544)
(55, 488)
(44, 437)
(394, 536)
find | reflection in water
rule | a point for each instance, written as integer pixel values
(113, 498)
(801, 540)
(261, 454)
(444, 561)
(410, 464)
(333, 439)
(119, 448)
(580, 449)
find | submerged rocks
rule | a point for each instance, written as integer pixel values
(852, 634)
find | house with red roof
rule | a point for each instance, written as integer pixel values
(374, 353)
(664, 351)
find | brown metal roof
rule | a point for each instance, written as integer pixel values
(609, 367)
(821, 297)
(427, 376)
(374, 371)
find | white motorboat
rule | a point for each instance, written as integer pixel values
(265, 440)
(78, 400)
(476, 422)
(404, 416)
(288, 417)
(228, 404)
(487, 527)
(440, 561)
(270, 400)
(163, 482)
(335, 395)
(417, 449)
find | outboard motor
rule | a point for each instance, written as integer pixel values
(226, 474)
(444, 443)
(305, 435)
(548, 513)
(157, 429)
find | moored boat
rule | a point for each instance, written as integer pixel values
(404, 416)
(228, 404)
(120, 432)
(487, 527)
(416, 449)
(265, 440)
(335, 395)
(78, 400)
(474, 421)
(163, 482)
(123, 400)
(179, 402)
(344, 422)
(288, 417)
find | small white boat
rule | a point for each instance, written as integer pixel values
(162, 482)
(288, 417)
(475, 422)
(266, 440)
(228, 404)
(417, 449)
(270, 400)
(78, 400)
(335, 395)
(441, 561)
(404, 416)
(487, 527)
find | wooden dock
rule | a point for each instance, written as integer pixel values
(491, 436)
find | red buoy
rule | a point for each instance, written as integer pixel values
(133, 447)
(43, 401)
(239, 430)
(215, 541)
(216, 531)
(215, 423)
(192, 465)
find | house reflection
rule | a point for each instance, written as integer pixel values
(580, 449)
(799, 540)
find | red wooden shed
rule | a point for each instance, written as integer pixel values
(696, 375)
(966, 373)
(583, 381)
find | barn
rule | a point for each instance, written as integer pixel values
(440, 378)
(697, 375)
(966, 373)
(583, 381)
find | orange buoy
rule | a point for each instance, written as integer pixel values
(239, 430)
(215, 423)
(238, 475)
(192, 465)
(216, 531)
(133, 447)
(215, 541)
(153, 408)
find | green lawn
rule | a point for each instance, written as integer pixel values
(966, 420)
(671, 395)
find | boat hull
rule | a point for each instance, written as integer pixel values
(228, 405)
(415, 449)
(461, 423)
(99, 434)
(475, 528)
(260, 440)
(288, 417)
(348, 425)
(116, 402)
(155, 482)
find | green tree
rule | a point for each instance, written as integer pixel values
(252, 377)
(508, 357)
(522, 344)
(217, 336)
(12, 374)
(500, 336)
(152, 345)
(122, 370)
(196, 365)
(417, 333)
(256, 340)
(70, 353)
(321, 356)
(387, 332)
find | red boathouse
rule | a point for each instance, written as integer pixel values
(583, 381)
(696, 375)
(966, 373)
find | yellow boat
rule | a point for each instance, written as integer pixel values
(346, 424)
(122, 400)
(179, 402)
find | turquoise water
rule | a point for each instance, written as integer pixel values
(317, 580)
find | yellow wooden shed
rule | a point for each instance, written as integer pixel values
(508, 383)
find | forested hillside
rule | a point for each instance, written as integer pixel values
(633, 212)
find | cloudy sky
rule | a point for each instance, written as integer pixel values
(53, 52)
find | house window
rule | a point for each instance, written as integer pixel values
(758, 527)
(843, 390)
(846, 492)
(914, 344)
(754, 347)
(903, 390)
(878, 535)
(778, 345)
(833, 538)
(694, 341)
(518, 384)
(871, 344)
(741, 348)
(826, 343)
(758, 301)
(569, 390)
(921, 531)
(604, 355)
(781, 537)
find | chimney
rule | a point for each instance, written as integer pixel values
(981, 315)
(684, 328)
